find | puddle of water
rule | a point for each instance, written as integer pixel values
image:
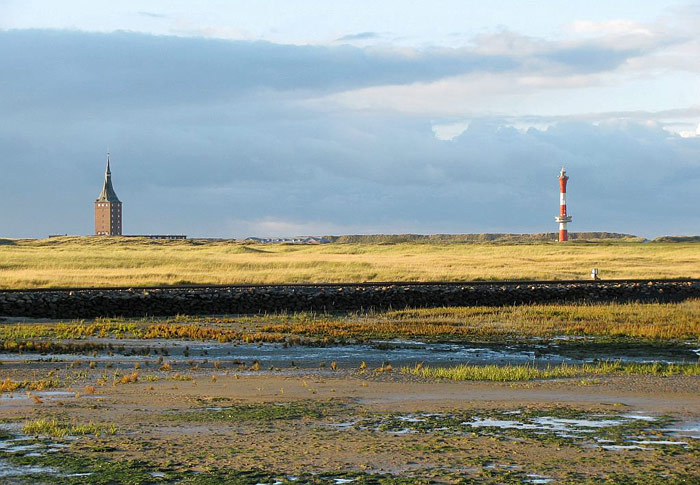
(658, 442)
(686, 430)
(8, 470)
(595, 430)
(495, 423)
(10, 399)
(640, 417)
(622, 447)
(345, 424)
(411, 419)
(564, 427)
(22, 396)
(9, 446)
(24, 445)
(537, 479)
(565, 424)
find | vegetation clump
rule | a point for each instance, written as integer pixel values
(510, 373)
(58, 429)
(651, 322)
(9, 385)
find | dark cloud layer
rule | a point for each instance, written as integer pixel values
(213, 138)
(63, 67)
(57, 68)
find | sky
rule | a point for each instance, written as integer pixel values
(299, 117)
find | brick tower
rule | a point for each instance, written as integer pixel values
(108, 209)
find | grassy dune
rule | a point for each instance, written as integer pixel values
(73, 261)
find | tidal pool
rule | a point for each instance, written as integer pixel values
(398, 352)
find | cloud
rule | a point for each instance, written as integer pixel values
(139, 70)
(220, 138)
(611, 27)
(359, 36)
(152, 15)
(297, 172)
(127, 69)
(690, 134)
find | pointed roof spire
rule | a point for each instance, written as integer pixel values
(107, 194)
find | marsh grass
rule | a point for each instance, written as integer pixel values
(55, 428)
(9, 385)
(526, 372)
(76, 261)
(128, 379)
(615, 321)
(626, 320)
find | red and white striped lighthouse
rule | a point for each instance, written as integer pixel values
(563, 218)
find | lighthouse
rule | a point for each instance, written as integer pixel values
(563, 218)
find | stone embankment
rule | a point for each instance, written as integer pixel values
(136, 302)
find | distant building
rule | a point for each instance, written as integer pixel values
(159, 236)
(108, 209)
(288, 240)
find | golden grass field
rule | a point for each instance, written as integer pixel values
(92, 261)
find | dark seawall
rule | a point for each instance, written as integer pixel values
(213, 300)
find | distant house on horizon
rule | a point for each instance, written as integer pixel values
(288, 240)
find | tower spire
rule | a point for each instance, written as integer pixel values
(108, 208)
(108, 194)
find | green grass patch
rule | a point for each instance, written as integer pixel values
(54, 428)
(527, 372)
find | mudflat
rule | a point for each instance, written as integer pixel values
(529, 394)
(360, 425)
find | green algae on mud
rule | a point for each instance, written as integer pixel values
(78, 468)
(269, 411)
(560, 425)
(101, 463)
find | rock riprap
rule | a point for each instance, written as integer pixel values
(136, 302)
